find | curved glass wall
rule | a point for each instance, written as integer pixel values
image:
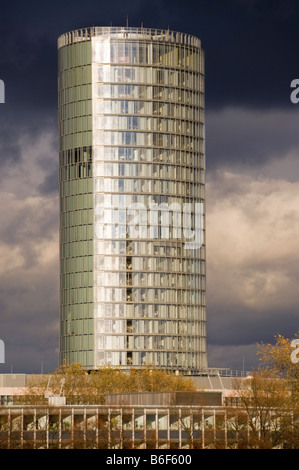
(76, 205)
(142, 116)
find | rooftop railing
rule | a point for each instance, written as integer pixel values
(222, 372)
(119, 32)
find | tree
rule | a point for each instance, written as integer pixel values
(269, 398)
(156, 380)
(276, 358)
(265, 400)
(81, 387)
(69, 381)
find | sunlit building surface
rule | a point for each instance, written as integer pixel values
(132, 175)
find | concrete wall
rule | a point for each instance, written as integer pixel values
(13, 380)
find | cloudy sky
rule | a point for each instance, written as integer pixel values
(252, 146)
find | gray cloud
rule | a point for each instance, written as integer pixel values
(50, 184)
(235, 357)
(249, 138)
(29, 271)
(252, 258)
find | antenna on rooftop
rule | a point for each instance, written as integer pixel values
(127, 21)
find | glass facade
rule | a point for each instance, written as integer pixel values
(132, 191)
(76, 205)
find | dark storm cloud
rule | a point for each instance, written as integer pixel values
(30, 327)
(250, 45)
(242, 137)
(50, 184)
(250, 58)
(235, 333)
(235, 326)
(9, 149)
(250, 49)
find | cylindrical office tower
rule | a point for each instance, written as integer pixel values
(132, 175)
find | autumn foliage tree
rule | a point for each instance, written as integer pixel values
(277, 359)
(268, 399)
(82, 387)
